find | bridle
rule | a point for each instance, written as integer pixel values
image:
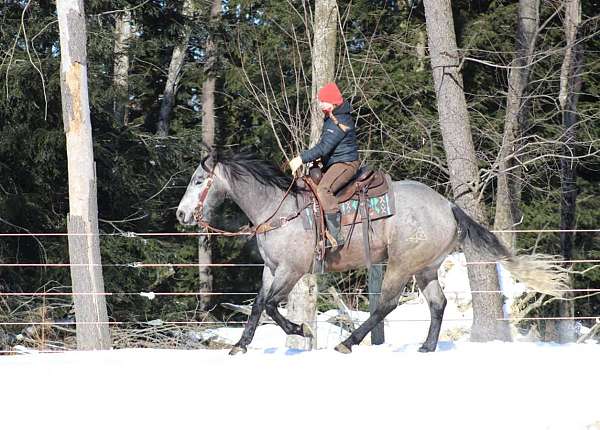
(202, 199)
(268, 225)
(200, 209)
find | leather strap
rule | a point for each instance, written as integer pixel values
(263, 227)
(365, 227)
(279, 222)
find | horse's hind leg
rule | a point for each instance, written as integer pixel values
(428, 283)
(393, 285)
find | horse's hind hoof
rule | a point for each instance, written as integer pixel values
(426, 348)
(307, 330)
(343, 349)
(238, 350)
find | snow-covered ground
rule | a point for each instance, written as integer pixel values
(461, 386)
(509, 386)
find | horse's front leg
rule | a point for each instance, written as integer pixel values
(251, 324)
(274, 289)
(283, 283)
(288, 327)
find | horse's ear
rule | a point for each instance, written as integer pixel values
(208, 164)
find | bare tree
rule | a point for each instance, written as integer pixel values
(122, 35)
(570, 86)
(208, 140)
(462, 163)
(508, 192)
(302, 302)
(84, 247)
(174, 73)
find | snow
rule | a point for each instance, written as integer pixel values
(149, 295)
(463, 385)
(407, 323)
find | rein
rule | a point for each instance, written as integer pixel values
(263, 227)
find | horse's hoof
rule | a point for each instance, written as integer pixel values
(343, 349)
(426, 348)
(237, 350)
(307, 330)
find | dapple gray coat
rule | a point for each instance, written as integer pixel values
(414, 242)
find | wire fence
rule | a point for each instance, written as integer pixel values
(138, 264)
(152, 295)
(132, 234)
(221, 323)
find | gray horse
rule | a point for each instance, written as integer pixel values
(414, 241)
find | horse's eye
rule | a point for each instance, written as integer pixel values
(198, 181)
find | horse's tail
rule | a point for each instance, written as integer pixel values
(539, 272)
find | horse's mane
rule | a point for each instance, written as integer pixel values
(246, 163)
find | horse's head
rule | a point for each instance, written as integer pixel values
(205, 191)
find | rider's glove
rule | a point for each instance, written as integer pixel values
(295, 164)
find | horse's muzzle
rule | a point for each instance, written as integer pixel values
(184, 218)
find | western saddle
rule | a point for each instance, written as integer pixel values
(366, 183)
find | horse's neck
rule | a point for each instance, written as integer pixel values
(259, 201)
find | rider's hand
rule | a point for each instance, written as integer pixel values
(295, 164)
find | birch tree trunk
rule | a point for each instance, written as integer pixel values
(509, 173)
(208, 140)
(302, 301)
(174, 73)
(122, 35)
(570, 86)
(84, 247)
(462, 163)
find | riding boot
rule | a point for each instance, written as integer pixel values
(336, 239)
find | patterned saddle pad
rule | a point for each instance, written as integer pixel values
(382, 206)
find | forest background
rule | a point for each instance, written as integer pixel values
(260, 57)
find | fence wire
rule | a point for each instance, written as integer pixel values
(151, 295)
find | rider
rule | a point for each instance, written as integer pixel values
(338, 151)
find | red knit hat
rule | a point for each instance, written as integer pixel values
(330, 93)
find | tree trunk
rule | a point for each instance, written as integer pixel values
(509, 173)
(174, 73)
(325, 27)
(121, 66)
(208, 140)
(420, 51)
(570, 86)
(462, 163)
(84, 248)
(205, 278)
(208, 87)
(302, 301)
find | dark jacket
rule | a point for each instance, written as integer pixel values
(335, 146)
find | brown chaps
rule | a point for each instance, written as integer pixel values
(334, 179)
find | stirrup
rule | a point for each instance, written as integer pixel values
(330, 241)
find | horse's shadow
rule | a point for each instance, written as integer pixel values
(442, 346)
